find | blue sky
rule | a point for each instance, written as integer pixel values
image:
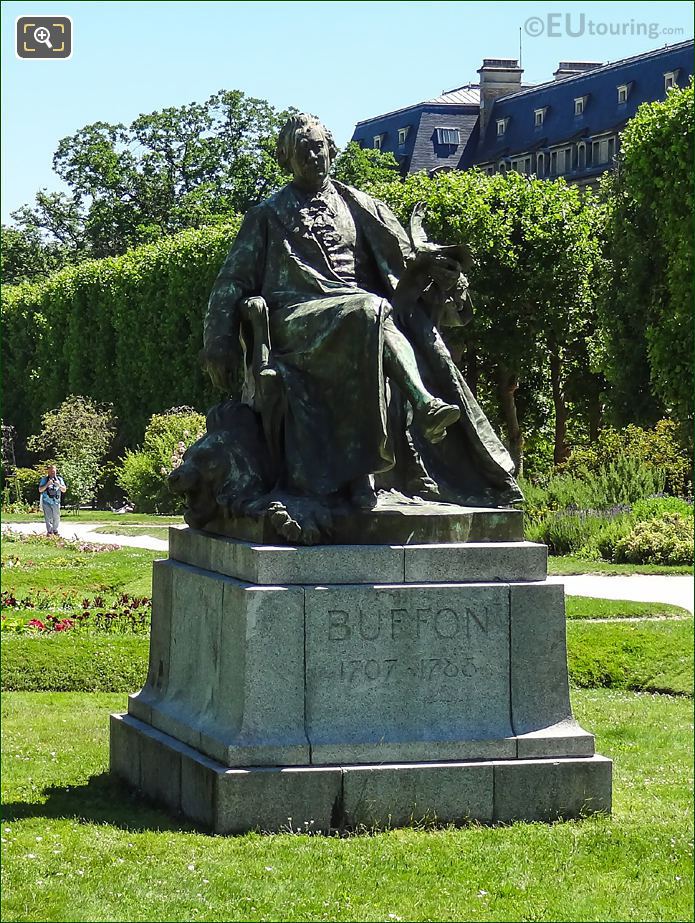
(343, 61)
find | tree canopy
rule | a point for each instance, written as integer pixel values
(534, 268)
(646, 308)
(183, 167)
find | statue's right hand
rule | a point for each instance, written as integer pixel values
(216, 359)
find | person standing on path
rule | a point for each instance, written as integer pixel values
(51, 488)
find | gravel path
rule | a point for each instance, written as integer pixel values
(84, 531)
(677, 589)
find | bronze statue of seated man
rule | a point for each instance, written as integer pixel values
(324, 319)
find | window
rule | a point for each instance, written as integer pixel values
(522, 165)
(501, 127)
(501, 167)
(561, 161)
(670, 80)
(377, 141)
(539, 116)
(581, 155)
(448, 136)
(580, 105)
(540, 164)
(623, 92)
(603, 150)
(490, 171)
(402, 135)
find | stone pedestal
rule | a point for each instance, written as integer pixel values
(344, 685)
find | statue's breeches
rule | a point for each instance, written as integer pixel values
(329, 352)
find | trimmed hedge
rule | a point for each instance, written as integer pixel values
(124, 330)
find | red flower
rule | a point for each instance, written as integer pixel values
(36, 623)
(63, 625)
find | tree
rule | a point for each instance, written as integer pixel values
(77, 436)
(363, 167)
(25, 257)
(646, 308)
(534, 255)
(46, 238)
(187, 166)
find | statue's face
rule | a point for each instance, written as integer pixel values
(311, 159)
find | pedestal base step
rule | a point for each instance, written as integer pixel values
(275, 565)
(271, 799)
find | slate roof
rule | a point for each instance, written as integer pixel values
(456, 108)
(460, 107)
(602, 111)
(468, 95)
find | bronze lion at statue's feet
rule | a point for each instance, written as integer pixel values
(228, 473)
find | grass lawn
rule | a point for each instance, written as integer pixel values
(649, 656)
(653, 656)
(78, 846)
(140, 530)
(563, 565)
(36, 564)
(589, 607)
(102, 516)
(72, 662)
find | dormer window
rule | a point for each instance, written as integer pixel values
(448, 136)
(539, 116)
(402, 135)
(580, 105)
(623, 92)
(501, 127)
(377, 142)
(670, 80)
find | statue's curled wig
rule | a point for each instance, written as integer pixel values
(295, 126)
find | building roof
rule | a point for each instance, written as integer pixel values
(602, 111)
(467, 95)
(459, 109)
(644, 58)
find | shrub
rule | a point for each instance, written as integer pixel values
(657, 449)
(22, 487)
(143, 473)
(659, 506)
(619, 482)
(625, 480)
(579, 533)
(108, 491)
(600, 547)
(78, 434)
(657, 541)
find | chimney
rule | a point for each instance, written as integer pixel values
(572, 68)
(498, 77)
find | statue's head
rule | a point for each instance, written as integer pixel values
(306, 148)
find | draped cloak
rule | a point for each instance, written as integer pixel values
(327, 336)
